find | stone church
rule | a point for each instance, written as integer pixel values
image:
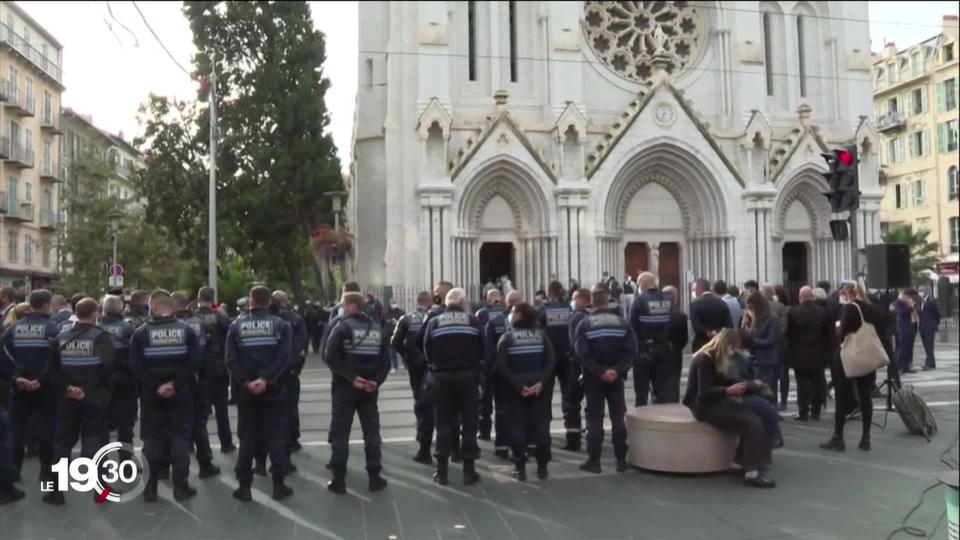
(544, 140)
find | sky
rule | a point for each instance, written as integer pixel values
(111, 62)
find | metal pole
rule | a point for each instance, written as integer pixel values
(212, 211)
(114, 249)
(854, 268)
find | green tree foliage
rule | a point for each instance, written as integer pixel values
(86, 250)
(923, 254)
(274, 161)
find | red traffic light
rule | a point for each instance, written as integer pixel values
(844, 157)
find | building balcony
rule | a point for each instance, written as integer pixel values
(16, 210)
(891, 121)
(49, 219)
(53, 172)
(50, 123)
(17, 101)
(15, 154)
(9, 38)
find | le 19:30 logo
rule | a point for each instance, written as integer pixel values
(116, 473)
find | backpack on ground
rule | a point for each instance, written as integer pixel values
(914, 413)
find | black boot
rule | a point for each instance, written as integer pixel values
(423, 455)
(280, 490)
(502, 453)
(520, 472)
(242, 493)
(377, 482)
(55, 498)
(470, 475)
(864, 443)
(835, 444)
(573, 444)
(591, 465)
(182, 492)
(338, 485)
(228, 448)
(150, 492)
(10, 494)
(208, 469)
(542, 472)
(440, 476)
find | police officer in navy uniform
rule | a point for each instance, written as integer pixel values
(300, 338)
(454, 349)
(493, 309)
(28, 344)
(201, 390)
(258, 356)
(357, 355)
(650, 319)
(496, 326)
(581, 308)
(554, 317)
(81, 371)
(440, 291)
(164, 356)
(218, 381)
(404, 341)
(606, 346)
(123, 400)
(138, 312)
(526, 364)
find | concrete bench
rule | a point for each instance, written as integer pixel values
(667, 438)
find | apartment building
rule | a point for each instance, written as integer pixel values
(30, 171)
(82, 137)
(916, 97)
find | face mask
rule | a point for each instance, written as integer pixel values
(923, 295)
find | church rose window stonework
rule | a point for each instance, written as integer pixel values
(627, 35)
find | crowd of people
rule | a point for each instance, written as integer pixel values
(78, 369)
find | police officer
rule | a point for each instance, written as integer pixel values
(164, 356)
(650, 319)
(258, 356)
(526, 364)
(138, 312)
(494, 308)
(453, 348)
(81, 372)
(201, 390)
(554, 317)
(357, 355)
(497, 325)
(440, 291)
(298, 350)
(28, 344)
(581, 308)
(123, 400)
(606, 347)
(218, 381)
(404, 342)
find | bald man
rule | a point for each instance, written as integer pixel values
(808, 336)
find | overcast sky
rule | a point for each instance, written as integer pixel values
(112, 62)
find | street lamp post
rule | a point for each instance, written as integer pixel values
(336, 204)
(114, 233)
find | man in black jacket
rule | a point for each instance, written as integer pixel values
(808, 338)
(650, 319)
(708, 314)
(123, 400)
(218, 325)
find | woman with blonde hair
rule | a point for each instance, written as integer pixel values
(716, 398)
(16, 314)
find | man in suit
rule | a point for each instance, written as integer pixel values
(929, 322)
(708, 314)
(808, 336)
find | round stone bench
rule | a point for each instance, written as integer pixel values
(667, 438)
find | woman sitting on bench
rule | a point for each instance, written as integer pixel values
(717, 399)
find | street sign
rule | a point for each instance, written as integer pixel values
(115, 270)
(116, 281)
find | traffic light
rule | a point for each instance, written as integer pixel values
(843, 178)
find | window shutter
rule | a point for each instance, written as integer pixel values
(940, 103)
(941, 137)
(908, 111)
(925, 140)
(913, 145)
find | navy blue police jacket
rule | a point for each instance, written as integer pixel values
(258, 346)
(497, 325)
(218, 325)
(650, 316)
(604, 340)
(357, 347)
(453, 341)
(554, 318)
(576, 317)
(84, 357)
(525, 357)
(164, 350)
(28, 344)
(299, 337)
(121, 332)
(404, 339)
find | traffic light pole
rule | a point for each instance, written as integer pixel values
(854, 267)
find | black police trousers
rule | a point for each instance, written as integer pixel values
(123, 409)
(455, 396)
(660, 366)
(293, 408)
(262, 423)
(218, 386)
(528, 419)
(422, 406)
(35, 411)
(166, 427)
(598, 394)
(201, 413)
(347, 400)
(85, 420)
(571, 395)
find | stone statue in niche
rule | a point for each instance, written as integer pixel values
(659, 38)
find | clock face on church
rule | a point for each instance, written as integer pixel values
(626, 36)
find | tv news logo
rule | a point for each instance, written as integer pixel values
(116, 473)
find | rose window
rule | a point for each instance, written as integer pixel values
(627, 35)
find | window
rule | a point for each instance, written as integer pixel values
(29, 88)
(47, 157)
(918, 193)
(28, 250)
(892, 73)
(895, 150)
(947, 53)
(800, 54)
(900, 199)
(13, 186)
(954, 234)
(768, 52)
(29, 141)
(892, 106)
(947, 95)
(953, 189)
(46, 255)
(27, 192)
(47, 106)
(947, 137)
(512, 6)
(472, 40)
(12, 77)
(919, 143)
(916, 64)
(12, 246)
(918, 102)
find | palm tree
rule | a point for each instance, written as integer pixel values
(923, 254)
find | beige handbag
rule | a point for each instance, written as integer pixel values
(861, 352)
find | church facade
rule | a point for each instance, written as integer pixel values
(544, 140)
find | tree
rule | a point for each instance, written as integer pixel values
(86, 249)
(274, 161)
(923, 254)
